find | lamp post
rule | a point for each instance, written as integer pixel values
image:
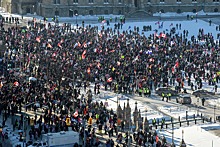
(160, 15)
(76, 17)
(22, 13)
(33, 9)
(56, 13)
(173, 145)
(214, 112)
(196, 16)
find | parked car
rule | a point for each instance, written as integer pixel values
(166, 90)
(200, 92)
(184, 99)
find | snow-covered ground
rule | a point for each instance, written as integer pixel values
(194, 136)
(178, 111)
(111, 102)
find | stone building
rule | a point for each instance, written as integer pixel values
(144, 8)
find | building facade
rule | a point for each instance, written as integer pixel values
(69, 8)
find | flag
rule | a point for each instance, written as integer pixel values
(104, 21)
(38, 39)
(109, 80)
(16, 83)
(1, 84)
(163, 35)
(59, 45)
(177, 64)
(85, 45)
(98, 65)
(83, 54)
(49, 45)
(112, 51)
(151, 59)
(76, 113)
(88, 70)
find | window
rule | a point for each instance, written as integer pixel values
(90, 12)
(178, 1)
(106, 12)
(91, 1)
(149, 1)
(106, 1)
(162, 1)
(75, 1)
(194, 1)
(56, 1)
(119, 12)
(119, 1)
(215, 0)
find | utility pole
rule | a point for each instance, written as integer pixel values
(214, 112)
(84, 132)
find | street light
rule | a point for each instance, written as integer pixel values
(22, 13)
(160, 15)
(76, 17)
(33, 9)
(196, 16)
(214, 112)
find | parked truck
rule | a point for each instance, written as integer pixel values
(61, 139)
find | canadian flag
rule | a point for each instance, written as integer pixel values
(88, 70)
(109, 80)
(177, 64)
(163, 35)
(151, 59)
(59, 45)
(76, 113)
(104, 21)
(16, 83)
(112, 51)
(98, 65)
(38, 39)
(49, 45)
(85, 45)
(1, 84)
(83, 54)
(79, 44)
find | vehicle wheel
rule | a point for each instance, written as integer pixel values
(177, 100)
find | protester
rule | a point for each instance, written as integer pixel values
(55, 62)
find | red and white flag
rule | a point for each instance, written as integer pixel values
(16, 83)
(38, 39)
(109, 80)
(59, 45)
(104, 21)
(1, 84)
(163, 35)
(84, 54)
(76, 113)
(88, 70)
(49, 45)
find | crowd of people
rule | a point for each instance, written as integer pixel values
(54, 65)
